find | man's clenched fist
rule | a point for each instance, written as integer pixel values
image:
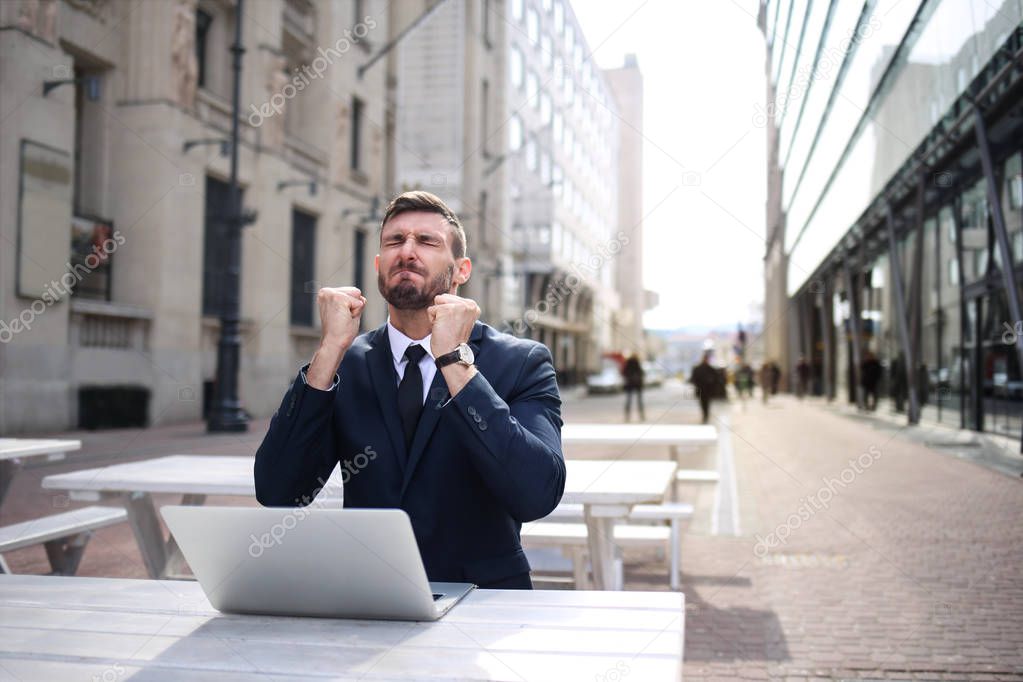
(340, 311)
(451, 321)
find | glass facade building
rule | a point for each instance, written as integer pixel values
(895, 207)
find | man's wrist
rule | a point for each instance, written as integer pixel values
(457, 376)
(324, 365)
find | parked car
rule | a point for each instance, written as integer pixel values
(608, 380)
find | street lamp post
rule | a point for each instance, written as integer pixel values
(226, 413)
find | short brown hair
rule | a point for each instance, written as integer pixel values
(419, 200)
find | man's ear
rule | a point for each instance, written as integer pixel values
(463, 270)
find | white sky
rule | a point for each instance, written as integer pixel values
(703, 71)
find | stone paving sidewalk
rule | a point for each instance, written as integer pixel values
(861, 554)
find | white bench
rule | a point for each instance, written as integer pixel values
(573, 540)
(697, 476)
(64, 535)
(674, 513)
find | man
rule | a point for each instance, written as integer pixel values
(705, 379)
(433, 412)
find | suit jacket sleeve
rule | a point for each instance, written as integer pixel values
(298, 452)
(516, 445)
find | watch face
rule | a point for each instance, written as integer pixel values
(465, 355)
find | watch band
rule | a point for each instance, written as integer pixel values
(454, 356)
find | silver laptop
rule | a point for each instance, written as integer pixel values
(310, 561)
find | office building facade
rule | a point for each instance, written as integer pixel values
(895, 204)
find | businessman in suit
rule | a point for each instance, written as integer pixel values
(434, 412)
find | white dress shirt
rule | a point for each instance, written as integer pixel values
(399, 342)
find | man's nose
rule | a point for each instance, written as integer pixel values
(408, 248)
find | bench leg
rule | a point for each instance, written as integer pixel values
(580, 575)
(145, 524)
(4, 568)
(176, 563)
(676, 550)
(66, 553)
(600, 537)
(8, 467)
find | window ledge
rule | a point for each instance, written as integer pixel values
(86, 306)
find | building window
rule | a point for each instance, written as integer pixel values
(545, 108)
(356, 131)
(532, 89)
(517, 10)
(559, 16)
(546, 51)
(484, 115)
(517, 68)
(303, 269)
(214, 34)
(531, 154)
(203, 20)
(483, 217)
(359, 249)
(558, 126)
(486, 23)
(298, 44)
(218, 211)
(533, 26)
(514, 133)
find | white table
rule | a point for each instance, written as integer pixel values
(607, 490)
(101, 628)
(13, 451)
(678, 437)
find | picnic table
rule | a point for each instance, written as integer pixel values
(77, 628)
(607, 490)
(14, 451)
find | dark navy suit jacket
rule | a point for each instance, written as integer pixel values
(480, 464)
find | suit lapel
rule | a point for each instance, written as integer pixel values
(381, 375)
(435, 400)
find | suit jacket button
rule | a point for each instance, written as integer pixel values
(483, 426)
(471, 410)
(477, 418)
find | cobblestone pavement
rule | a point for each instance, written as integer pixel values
(860, 554)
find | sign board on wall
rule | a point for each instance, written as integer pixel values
(44, 212)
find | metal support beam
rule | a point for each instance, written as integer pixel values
(826, 333)
(1001, 235)
(916, 281)
(852, 293)
(909, 360)
(964, 402)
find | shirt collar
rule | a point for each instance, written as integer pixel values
(400, 342)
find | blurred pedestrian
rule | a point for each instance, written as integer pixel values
(705, 379)
(802, 376)
(775, 377)
(744, 382)
(766, 380)
(870, 377)
(632, 373)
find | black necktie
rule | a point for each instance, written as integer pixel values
(410, 393)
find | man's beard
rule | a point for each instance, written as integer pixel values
(405, 295)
